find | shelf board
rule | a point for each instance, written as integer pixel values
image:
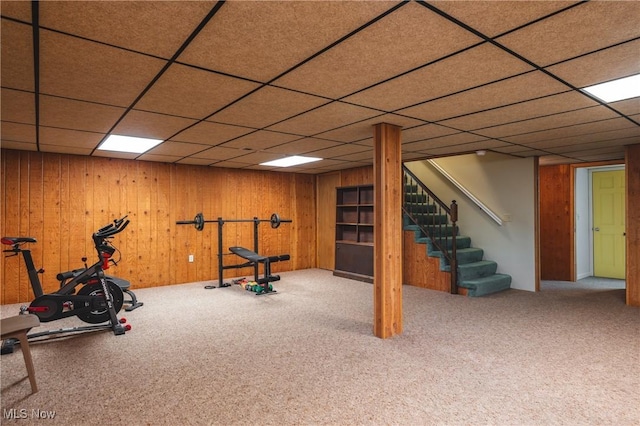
(355, 243)
(353, 276)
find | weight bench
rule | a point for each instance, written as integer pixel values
(254, 259)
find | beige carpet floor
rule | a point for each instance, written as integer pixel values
(307, 356)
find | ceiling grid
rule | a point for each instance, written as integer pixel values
(237, 83)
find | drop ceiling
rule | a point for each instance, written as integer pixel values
(237, 83)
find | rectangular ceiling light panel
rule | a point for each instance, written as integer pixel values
(128, 144)
(290, 161)
(616, 90)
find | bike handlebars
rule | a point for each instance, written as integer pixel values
(103, 248)
(111, 229)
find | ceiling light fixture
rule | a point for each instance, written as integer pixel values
(290, 161)
(616, 90)
(128, 144)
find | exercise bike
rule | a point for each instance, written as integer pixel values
(124, 285)
(98, 299)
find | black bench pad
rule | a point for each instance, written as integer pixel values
(255, 257)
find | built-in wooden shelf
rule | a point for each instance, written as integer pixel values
(354, 232)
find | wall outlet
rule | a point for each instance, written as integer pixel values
(190, 258)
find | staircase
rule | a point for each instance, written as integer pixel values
(431, 227)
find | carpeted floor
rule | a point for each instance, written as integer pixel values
(307, 356)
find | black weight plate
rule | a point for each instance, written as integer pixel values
(275, 221)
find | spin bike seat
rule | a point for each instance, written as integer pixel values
(11, 241)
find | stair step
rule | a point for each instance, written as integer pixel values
(415, 198)
(469, 255)
(431, 218)
(470, 271)
(478, 276)
(462, 242)
(464, 256)
(420, 207)
(486, 285)
(437, 232)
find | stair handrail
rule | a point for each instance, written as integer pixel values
(452, 214)
(466, 192)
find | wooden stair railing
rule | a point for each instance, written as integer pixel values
(418, 204)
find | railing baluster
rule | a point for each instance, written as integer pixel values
(417, 208)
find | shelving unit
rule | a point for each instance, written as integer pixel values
(354, 232)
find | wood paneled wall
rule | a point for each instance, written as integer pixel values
(326, 198)
(62, 199)
(632, 167)
(420, 270)
(326, 220)
(556, 223)
(357, 176)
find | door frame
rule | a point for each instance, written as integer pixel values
(591, 167)
(590, 171)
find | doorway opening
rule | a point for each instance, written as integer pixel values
(599, 222)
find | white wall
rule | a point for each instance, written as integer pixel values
(582, 224)
(507, 186)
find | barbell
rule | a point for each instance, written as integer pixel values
(198, 221)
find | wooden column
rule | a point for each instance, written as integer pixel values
(387, 262)
(632, 221)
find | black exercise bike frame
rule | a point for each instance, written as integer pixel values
(89, 275)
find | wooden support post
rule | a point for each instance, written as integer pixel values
(632, 223)
(387, 263)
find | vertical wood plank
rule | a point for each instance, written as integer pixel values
(89, 187)
(205, 260)
(183, 245)
(14, 199)
(91, 192)
(357, 176)
(145, 223)
(52, 241)
(23, 212)
(420, 270)
(178, 233)
(32, 217)
(65, 188)
(131, 245)
(76, 208)
(192, 201)
(556, 233)
(387, 280)
(166, 226)
(326, 219)
(305, 223)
